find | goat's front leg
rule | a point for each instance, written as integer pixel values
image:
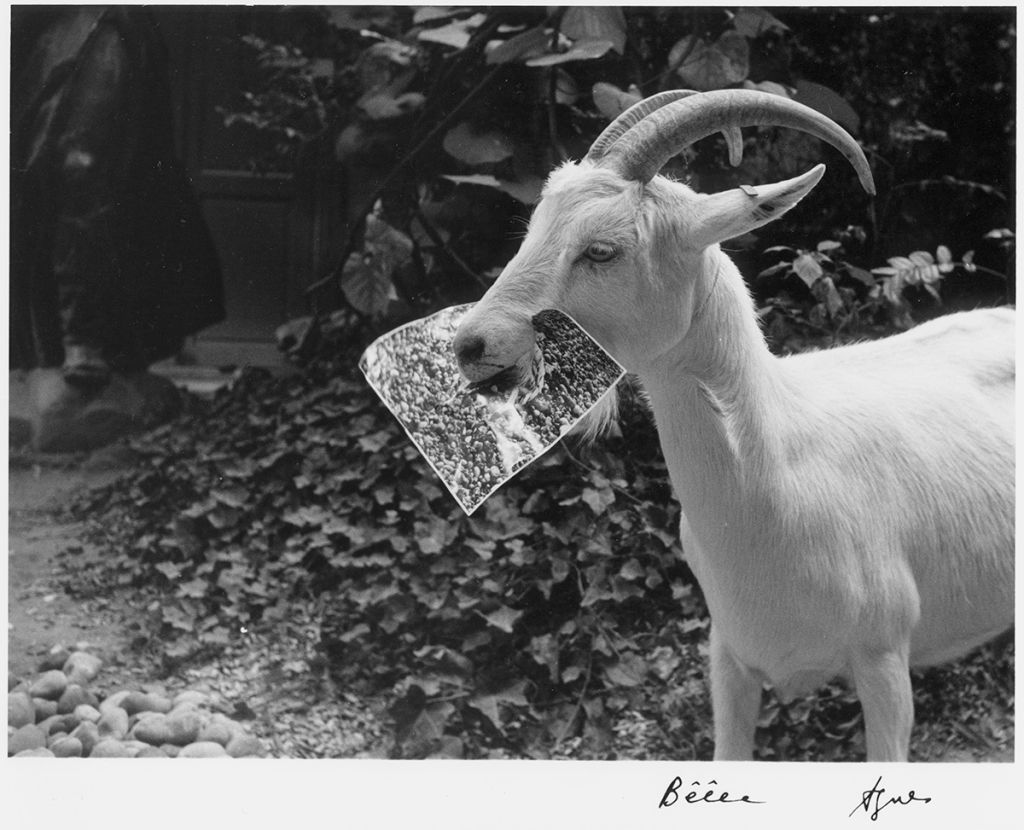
(882, 679)
(735, 703)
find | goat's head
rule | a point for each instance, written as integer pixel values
(624, 251)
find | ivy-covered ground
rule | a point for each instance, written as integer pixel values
(286, 541)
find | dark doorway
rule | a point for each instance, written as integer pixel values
(275, 231)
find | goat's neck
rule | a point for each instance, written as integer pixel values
(719, 399)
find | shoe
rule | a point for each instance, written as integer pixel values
(85, 367)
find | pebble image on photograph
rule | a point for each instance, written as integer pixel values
(478, 438)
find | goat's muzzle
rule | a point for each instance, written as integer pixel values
(505, 347)
(469, 349)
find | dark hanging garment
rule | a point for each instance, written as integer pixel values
(108, 245)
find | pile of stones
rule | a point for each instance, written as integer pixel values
(57, 715)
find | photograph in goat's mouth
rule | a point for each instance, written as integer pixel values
(477, 436)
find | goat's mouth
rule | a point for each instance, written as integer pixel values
(500, 381)
(525, 374)
(481, 371)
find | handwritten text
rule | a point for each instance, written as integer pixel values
(695, 796)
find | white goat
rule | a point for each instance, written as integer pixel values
(848, 512)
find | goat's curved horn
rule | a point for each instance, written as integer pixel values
(632, 115)
(628, 118)
(642, 151)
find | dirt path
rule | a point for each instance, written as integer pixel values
(40, 613)
(292, 715)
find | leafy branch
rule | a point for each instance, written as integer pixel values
(399, 169)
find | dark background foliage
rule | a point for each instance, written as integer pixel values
(559, 619)
(453, 117)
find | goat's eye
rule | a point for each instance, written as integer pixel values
(600, 251)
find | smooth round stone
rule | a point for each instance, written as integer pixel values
(189, 707)
(44, 708)
(75, 695)
(54, 723)
(151, 752)
(38, 752)
(67, 747)
(178, 728)
(137, 702)
(111, 748)
(85, 712)
(135, 747)
(12, 682)
(89, 734)
(219, 733)
(29, 736)
(233, 725)
(243, 745)
(191, 696)
(113, 723)
(50, 684)
(82, 667)
(184, 727)
(114, 700)
(55, 658)
(153, 730)
(141, 716)
(203, 749)
(58, 723)
(20, 710)
(170, 750)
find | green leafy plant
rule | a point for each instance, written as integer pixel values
(845, 299)
(458, 114)
(525, 626)
(464, 112)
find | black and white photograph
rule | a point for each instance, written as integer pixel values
(414, 406)
(477, 437)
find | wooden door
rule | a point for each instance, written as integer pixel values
(276, 232)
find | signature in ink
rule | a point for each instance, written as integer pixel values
(871, 800)
(671, 795)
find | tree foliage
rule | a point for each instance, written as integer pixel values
(463, 112)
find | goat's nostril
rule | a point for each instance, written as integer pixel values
(470, 349)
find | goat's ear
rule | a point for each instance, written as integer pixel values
(735, 212)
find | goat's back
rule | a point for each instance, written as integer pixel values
(979, 343)
(915, 437)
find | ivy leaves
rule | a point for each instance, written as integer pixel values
(704, 66)
(473, 147)
(846, 294)
(919, 268)
(584, 34)
(367, 277)
(480, 627)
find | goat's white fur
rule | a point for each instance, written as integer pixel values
(847, 512)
